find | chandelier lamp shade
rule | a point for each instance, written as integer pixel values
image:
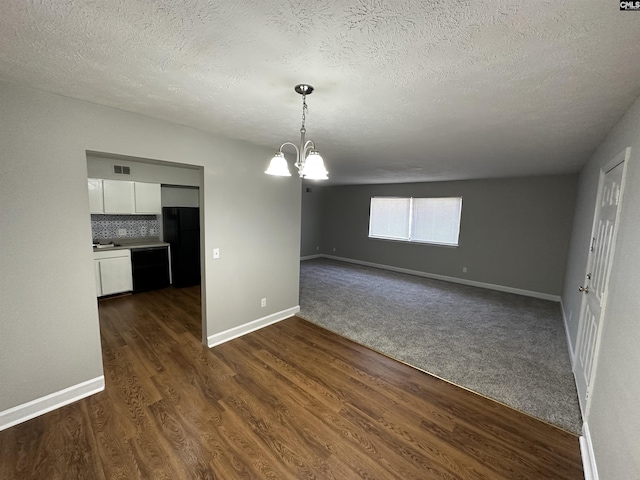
(309, 163)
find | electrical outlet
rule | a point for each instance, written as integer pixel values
(334, 249)
(317, 249)
(263, 302)
(216, 253)
(464, 269)
(122, 232)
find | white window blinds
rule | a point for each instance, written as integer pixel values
(436, 220)
(426, 220)
(390, 217)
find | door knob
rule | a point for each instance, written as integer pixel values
(583, 289)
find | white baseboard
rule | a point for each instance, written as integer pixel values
(588, 458)
(39, 406)
(235, 332)
(473, 283)
(310, 257)
(566, 331)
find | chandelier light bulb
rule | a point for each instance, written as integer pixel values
(309, 163)
(278, 166)
(313, 168)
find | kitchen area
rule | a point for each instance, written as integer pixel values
(145, 224)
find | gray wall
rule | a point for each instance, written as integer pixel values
(180, 197)
(614, 416)
(49, 336)
(311, 218)
(143, 171)
(514, 231)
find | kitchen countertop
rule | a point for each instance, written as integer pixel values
(132, 243)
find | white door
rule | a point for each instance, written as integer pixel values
(597, 275)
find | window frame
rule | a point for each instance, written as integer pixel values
(409, 238)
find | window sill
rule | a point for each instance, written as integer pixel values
(414, 242)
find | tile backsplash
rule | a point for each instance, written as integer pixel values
(107, 226)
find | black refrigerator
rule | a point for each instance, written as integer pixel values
(182, 231)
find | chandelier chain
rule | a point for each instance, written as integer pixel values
(304, 112)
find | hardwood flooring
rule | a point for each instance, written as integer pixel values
(289, 401)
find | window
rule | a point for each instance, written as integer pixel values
(425, 220)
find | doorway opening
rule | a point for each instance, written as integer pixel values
(140, 217)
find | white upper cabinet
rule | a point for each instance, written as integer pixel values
(118, 197)
(148, 198)
(121, 197)
(96, 200)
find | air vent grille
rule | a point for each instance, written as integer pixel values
(122, 170)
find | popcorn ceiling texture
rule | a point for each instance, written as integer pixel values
(405, 90)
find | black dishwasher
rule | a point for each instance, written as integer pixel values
(150, 268)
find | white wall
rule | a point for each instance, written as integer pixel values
(614, 417)
(49, 335)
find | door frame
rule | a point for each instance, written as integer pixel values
(620, 158)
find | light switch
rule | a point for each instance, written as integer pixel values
(216, 253)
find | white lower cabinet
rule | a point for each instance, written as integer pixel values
(113, 272)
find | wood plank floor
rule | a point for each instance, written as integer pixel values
(290, 401)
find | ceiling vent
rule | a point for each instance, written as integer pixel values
(121, 170)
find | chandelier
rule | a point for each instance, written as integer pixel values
(308, 161)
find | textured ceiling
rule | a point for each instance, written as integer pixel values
(406, 90)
